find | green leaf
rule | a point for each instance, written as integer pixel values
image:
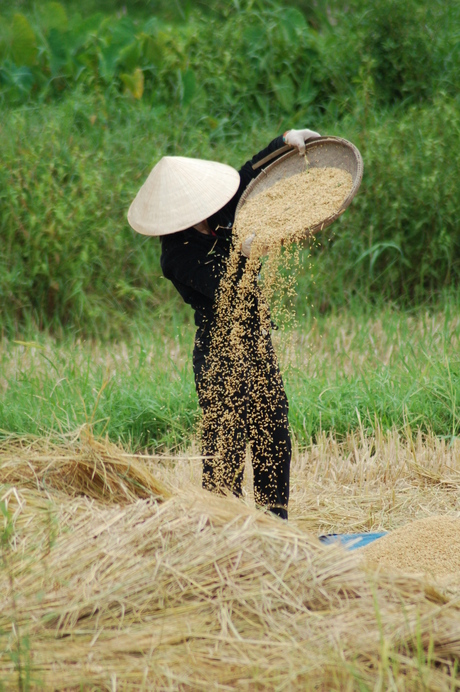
(130, 56)
(134, 82)
(53, 16)
(123, 32)
(376, 250)
(58, 50)
(19, 77)
(284, 91)
(307, 92)
(150, 49)
(24, 43)
(292, 22)
(4, 39)
(108, 59)
(255, 38)
(188, 86)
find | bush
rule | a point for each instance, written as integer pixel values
(398, 240)
(91, 103)
(256, 59)
(69, 256)
(404, 51)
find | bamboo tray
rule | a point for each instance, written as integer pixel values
(321, 153)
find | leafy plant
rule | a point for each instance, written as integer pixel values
(92, 101)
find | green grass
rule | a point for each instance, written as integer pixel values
(71, 262)
(398, 369)
(354, 369)
(139, 391)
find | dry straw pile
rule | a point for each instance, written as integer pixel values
(178, 589)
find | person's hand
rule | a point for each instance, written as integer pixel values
(247, 244)
(296, 138)
(248, 247)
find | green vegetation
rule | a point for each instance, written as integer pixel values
(342, 372)
(93, 95)
(92, 99)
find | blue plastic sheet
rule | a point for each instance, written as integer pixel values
(351, 540)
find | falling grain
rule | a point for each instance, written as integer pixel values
(242, 390)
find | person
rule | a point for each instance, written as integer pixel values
(191, 205)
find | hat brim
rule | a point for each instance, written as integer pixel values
(179, 193)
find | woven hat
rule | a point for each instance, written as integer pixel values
(179, 193)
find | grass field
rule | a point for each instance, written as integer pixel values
(355, 369)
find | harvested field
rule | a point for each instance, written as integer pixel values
(128, 576)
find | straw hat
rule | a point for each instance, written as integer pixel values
(181, 192)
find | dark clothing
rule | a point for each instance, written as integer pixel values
(255, 407)
(195, 263)
(256, 410)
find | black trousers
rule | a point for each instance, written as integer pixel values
(243, 401)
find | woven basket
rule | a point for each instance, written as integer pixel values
(326, 152)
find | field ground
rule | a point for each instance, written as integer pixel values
(120, 573)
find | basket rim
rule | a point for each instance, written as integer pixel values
(309, 146)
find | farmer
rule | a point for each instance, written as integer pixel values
(191, 204)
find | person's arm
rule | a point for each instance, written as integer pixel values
(294, 138)
(247, 172)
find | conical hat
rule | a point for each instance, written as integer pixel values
(179, 193)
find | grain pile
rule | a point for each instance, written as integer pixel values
(429, 546)
(286, 210)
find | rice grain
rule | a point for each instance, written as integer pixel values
(429, 546)
(287, 209)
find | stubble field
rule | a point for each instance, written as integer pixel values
(119, 572)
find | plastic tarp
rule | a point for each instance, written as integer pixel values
(351, 540)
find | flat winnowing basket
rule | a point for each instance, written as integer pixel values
(326, 152)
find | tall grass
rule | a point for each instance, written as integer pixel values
(398, 239)
(70, 170)
(391, 368)
(141, 392)
(79, 135)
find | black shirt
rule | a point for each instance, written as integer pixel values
(195, 263)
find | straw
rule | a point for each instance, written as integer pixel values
(78, 465)
(205, 592)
